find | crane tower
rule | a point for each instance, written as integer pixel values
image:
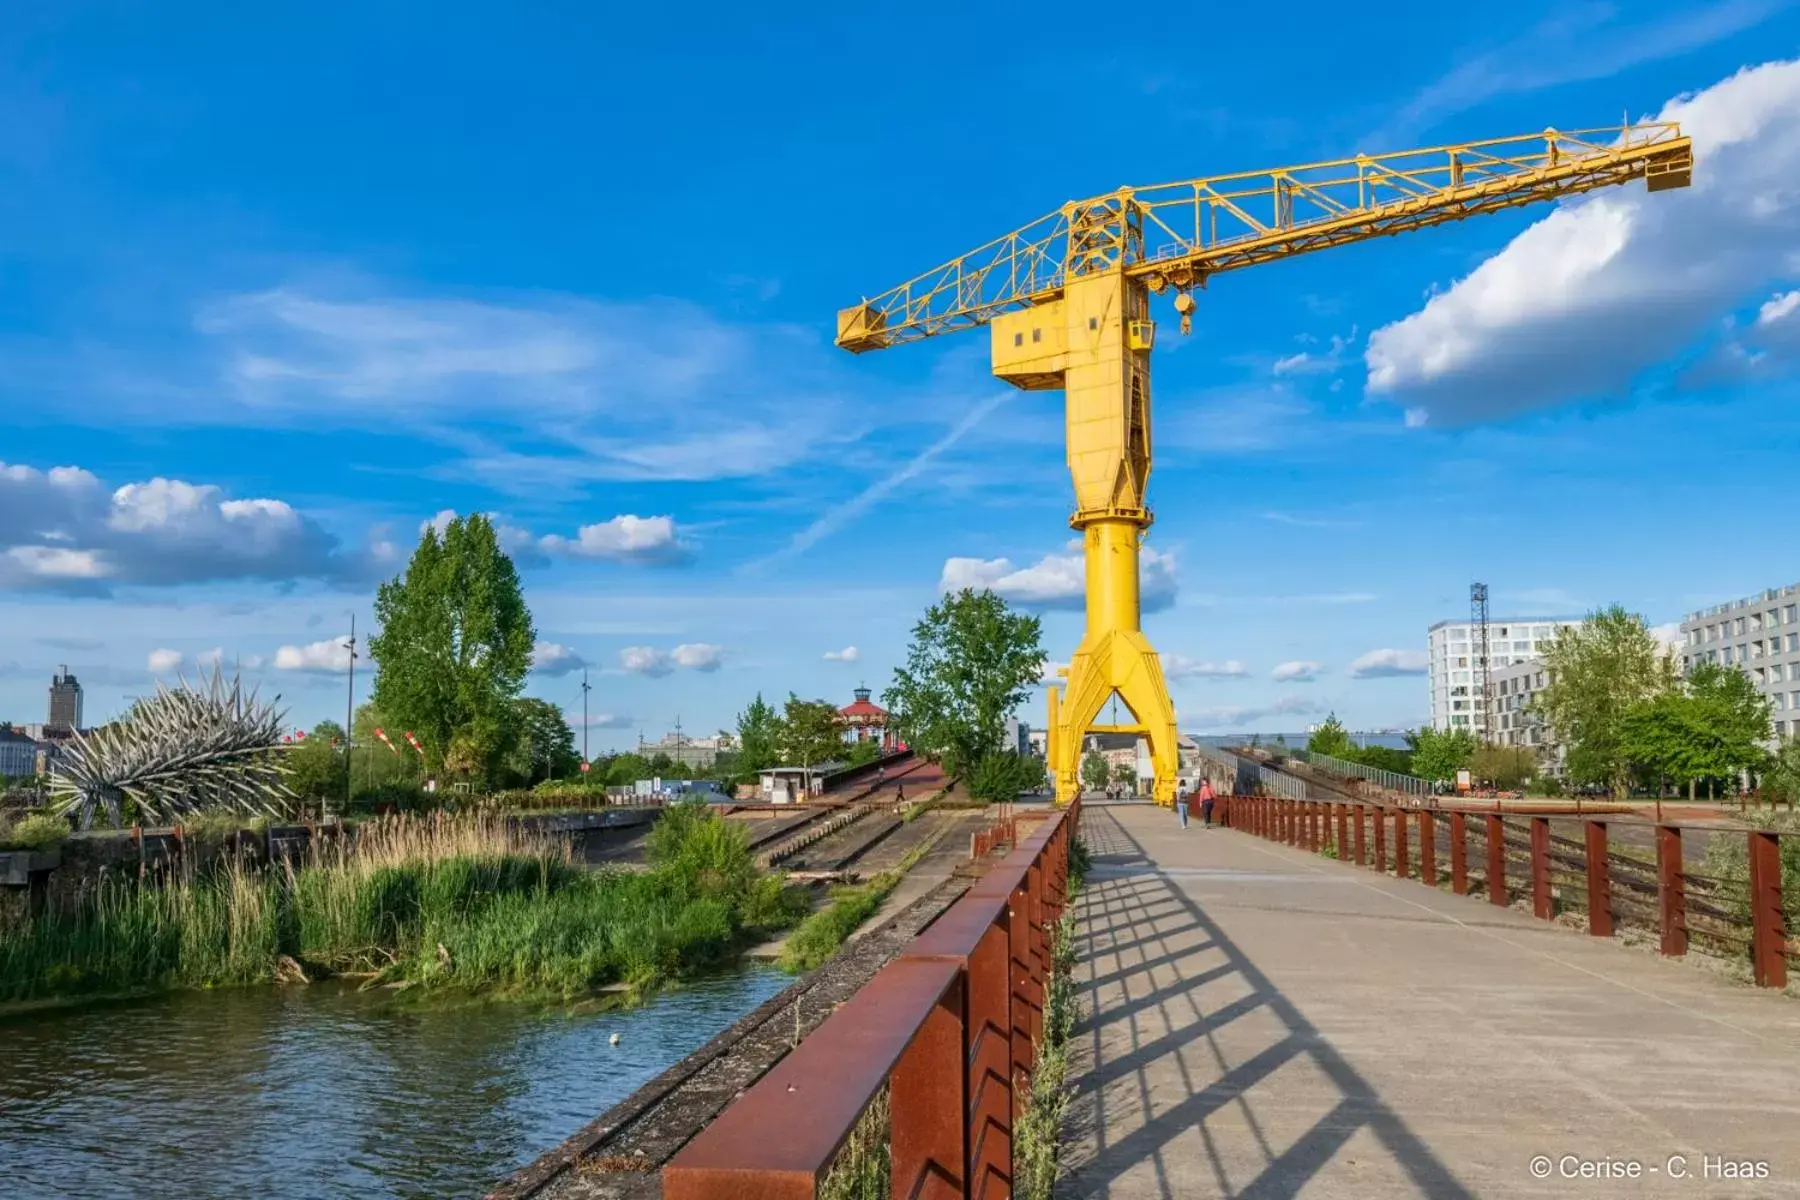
(1067, 302)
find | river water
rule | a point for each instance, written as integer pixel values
(323, 1092)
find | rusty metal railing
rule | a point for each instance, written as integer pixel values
(1519, 856)
(949, 1029)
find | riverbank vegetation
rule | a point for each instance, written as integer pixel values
(460, 903)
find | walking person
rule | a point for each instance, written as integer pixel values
(1206, 802)
(1181, 805)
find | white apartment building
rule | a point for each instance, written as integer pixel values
(1515, 686)
(1452, 665)
(1760, 636)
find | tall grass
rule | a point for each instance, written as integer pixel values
(448, 902)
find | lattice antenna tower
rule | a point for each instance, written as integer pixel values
(1478, 619)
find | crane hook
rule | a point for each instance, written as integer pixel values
(1184, 304)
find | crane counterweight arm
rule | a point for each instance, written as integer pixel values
(1222, 223)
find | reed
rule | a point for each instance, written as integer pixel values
(459, 902)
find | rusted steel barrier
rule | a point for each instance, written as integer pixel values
(1595, 874)
(949, 1027)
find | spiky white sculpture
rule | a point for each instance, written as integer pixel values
(180, 751)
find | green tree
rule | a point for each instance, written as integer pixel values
(316, 764)
(1733, 715)
(1000, 777)
(1093, 771)
(759, 736)
(626, 769)
(1781, 778)
(544, 747)
(1124, 774)
(1385, 758)
(454, 647)
(1331, 739)
(1506, 767)
(1599, 671)
(1662, 736)
(972, 661)
(809, 732)
(1438, 754)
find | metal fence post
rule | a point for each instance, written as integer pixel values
(1379, 818)
(989, 1088)
(1022, 1000)
(1599, 881)
(1459, 853)
(1768, 937)
(1343, 829)
(928, 1153)
(1427, 849)
(1402, 859)
(1540, 868)
(1496, 854)
(1358, 814)
(1671, 891)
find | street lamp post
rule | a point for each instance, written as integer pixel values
(349, 722)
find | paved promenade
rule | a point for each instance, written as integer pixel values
(1263, 1022)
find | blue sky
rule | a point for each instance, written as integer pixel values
(275, 291)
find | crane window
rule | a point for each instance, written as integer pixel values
(1037, 335)
(1018, 339)
(1093, 323)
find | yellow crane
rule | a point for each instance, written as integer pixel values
(1067, 300)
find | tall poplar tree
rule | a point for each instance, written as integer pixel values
(454, 647)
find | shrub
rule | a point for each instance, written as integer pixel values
(39, 831)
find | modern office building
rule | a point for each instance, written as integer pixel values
(1452, 664)
(18, 755)
(1760, 636)
(65, 701)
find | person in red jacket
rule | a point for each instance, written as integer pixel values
(1206, 802)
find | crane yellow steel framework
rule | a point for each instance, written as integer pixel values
(1067, 300)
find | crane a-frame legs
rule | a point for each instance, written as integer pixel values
(1094, 343)
(1114, 658)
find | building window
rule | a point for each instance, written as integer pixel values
(1755, 622)
(1761, 677)
(1790, 615)
(1459, 720)
(1793, 642)
(1780, 728)
(1775, 673)
(1740, 625)
(1778, 701)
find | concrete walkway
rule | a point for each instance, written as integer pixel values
(1263, 1022)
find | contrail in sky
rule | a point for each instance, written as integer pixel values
(843, 514)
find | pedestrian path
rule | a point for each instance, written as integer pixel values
(1263, 1022)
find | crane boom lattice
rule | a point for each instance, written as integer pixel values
(1180, 234)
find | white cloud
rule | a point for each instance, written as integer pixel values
(62, 530)
(601, 721)
(1240, 717)
(1177, 666)
(554, 659)
(847, 654)
(645, 660)
(164, 661)
(698, 656)
(1586, 300)
(1051, 672)
(1380, 664)
(1668, 635)
(535, 393)
(1057, 581)
(1323, 362)
(625, 538)
(330, 657)
(1297, 672)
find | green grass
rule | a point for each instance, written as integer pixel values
(39, 831)
(460, 904)
(820, 935)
